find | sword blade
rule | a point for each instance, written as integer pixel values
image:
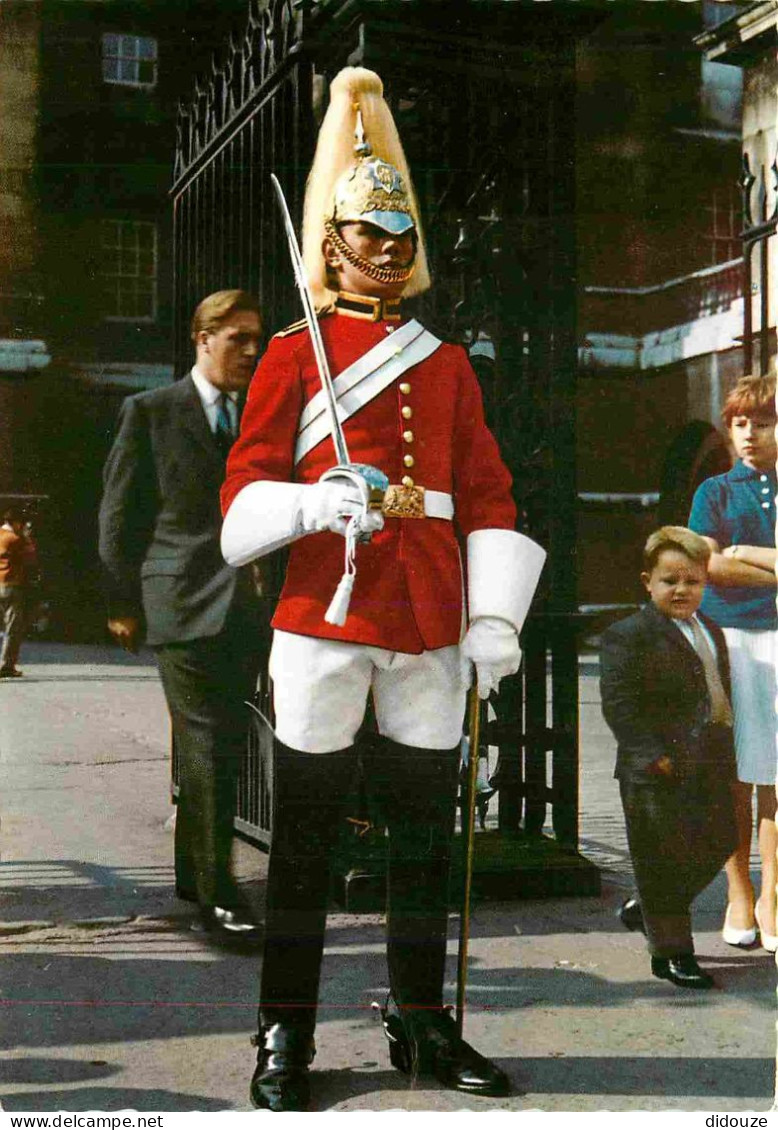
(301, 278)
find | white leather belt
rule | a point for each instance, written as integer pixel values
(417, 502)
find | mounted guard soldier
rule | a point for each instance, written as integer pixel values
(410, 406)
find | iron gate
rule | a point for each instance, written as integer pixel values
(483, 108)
(758, 228)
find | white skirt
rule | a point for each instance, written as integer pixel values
(753, 660)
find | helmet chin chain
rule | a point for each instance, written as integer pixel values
(374, 272)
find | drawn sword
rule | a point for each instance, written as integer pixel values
(370, 480)
(301, 279)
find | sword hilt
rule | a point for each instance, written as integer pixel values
(372, 483)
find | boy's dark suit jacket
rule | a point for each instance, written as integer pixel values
(160, 526)
(655, 699)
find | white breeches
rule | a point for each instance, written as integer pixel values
(320, 690)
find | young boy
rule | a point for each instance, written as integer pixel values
(666, 697)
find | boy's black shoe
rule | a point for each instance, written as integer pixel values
(683, 971)
(630, 915)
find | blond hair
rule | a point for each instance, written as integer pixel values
(214, 311)
(679, 538)
(352, 89)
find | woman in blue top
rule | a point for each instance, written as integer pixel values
(735, 512)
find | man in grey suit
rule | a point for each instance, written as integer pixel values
(166, 578)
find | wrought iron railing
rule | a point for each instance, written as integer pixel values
(760, 221)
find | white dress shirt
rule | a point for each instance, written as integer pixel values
(209, 396)
(685, 628)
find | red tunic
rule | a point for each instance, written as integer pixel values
(408, 591)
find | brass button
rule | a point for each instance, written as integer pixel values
(406, 412)
(407, 481)
(405, 388)
(408, 460)
(408, 437)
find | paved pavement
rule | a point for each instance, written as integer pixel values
(110, 1000)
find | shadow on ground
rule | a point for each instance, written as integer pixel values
(109, 1099)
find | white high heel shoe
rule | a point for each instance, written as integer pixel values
(769, 941)
(735, 937)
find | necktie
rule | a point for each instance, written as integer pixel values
(224, 433)
(721, 711)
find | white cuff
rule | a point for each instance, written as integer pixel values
(503, 570)
(264, 516)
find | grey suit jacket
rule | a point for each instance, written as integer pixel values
(160, 520)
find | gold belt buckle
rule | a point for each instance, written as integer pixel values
(403, 502)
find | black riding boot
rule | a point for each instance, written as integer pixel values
(418, 795)
(417, 789)
(427, 1042)
(308, 796)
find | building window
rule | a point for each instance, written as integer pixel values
(129, 257)
(724, 223)
(130, 60)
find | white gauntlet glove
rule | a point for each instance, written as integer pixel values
(493, 646)
(329, 505)
(267, 515)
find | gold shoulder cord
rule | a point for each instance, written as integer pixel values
(298, 327)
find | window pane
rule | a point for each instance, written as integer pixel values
(131, 304)
(145, 301)
(129, 268)
(129, 59)
(145, 235)
(110, 234)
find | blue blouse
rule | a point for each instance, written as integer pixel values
(738, 508)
